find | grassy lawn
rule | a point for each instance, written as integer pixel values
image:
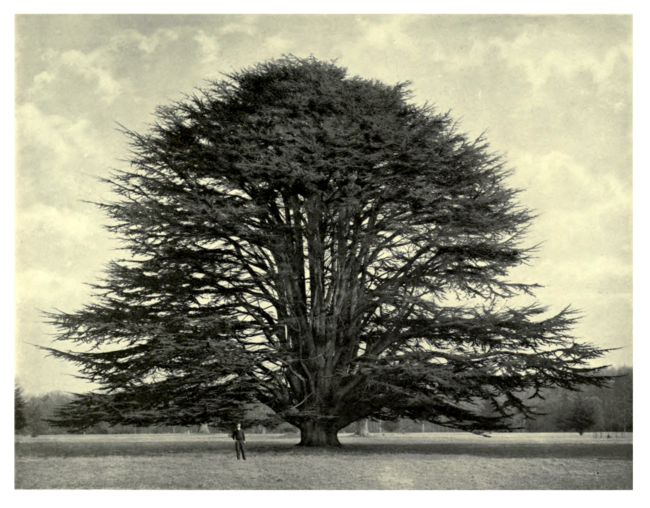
(440, 461)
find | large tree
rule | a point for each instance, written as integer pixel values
(322, 245)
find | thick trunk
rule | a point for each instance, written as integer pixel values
(318, 433)
(362, 428)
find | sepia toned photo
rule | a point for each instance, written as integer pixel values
(323, 252)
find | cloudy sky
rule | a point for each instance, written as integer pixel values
(553, 93)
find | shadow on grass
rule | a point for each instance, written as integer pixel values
(501, 450)
(271, 447)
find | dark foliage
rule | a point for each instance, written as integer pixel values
(20, 410)
(579, 415)
(319, 244)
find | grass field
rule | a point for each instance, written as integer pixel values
(440, 461)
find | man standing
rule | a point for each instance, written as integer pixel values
(240, 438)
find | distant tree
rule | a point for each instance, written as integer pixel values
(40, 408)
(615, 401)
(259, 415)
(319, 244)
(621, 396)
(580, 414)
(20, 410)
(391, 426)
(361, 428)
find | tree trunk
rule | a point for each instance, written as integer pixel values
(362, 428)
(318, 433)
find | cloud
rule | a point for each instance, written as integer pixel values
(243, 25)
(52, 131)
(69, 65)
(132, 40)
(584, 227)
(386, 32)
(558, 183)
(56, 232)
(278, 44)
(545, 53)
(45, 227)
(58, 251)
(387, 47)
(43, 79)
(585, 259)
(109, 73)
(584, 214)
(209, 52)
(56, 158)
(594, 272)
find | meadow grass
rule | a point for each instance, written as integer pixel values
(440, 461)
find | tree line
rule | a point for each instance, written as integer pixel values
(608, 409)
(601, 409)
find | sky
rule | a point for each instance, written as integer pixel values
(552, 93)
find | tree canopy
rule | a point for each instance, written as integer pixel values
(579, 414)
(322, 245)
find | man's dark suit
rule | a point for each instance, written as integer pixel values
(240, 438)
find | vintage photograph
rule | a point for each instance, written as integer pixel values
(331, 252)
